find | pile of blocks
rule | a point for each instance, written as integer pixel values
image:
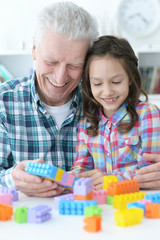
(131, 205)
(36, 214)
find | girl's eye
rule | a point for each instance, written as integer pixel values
(96, 84)
(116, 82)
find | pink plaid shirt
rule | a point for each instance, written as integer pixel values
(120, 154)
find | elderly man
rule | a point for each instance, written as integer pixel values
(39, 114)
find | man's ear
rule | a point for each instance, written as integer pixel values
(34, 51)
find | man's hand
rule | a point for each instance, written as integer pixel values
(149, 177)
(32, 185)
(96, 176)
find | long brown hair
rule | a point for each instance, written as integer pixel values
(118, 48)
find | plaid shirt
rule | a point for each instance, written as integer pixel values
(27, 132)
(115, 153)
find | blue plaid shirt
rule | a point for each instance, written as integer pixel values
(27, 132)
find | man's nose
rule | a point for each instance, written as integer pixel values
(60, 74)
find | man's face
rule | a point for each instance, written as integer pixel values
(59, 67)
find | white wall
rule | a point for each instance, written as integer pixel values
(17, 19)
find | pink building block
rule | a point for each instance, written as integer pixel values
(145, 201)
(70, 180)
(6, 198)
(100, 196)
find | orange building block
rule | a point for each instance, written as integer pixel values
(128, 186)
(6, 212)
(89, 196)
(92, 224)
(153, 210)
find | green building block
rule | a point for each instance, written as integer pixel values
(20, 214)
(92, 211)
(110, 200)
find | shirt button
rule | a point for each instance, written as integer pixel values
(108, 154)
(58, 137)
(60, 165)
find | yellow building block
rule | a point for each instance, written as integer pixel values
(120, 201)
(108, 179)
(59, 175)
(128, 217)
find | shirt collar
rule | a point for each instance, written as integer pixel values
(116, 117)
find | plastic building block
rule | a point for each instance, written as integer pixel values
(68, 196)
(12, 191)
(153, 210)
(83, 189)
(92, 224)
(145, 201)
(92, 211)
(136, 205)
(129, 186)
(83, 186)
(128, 217)
(110, 200)
(120, 201)
(42, 170)
(89, 196)
(72, 207)
(154, 197)
(108, 179)
(39, 214)
(100, 196)
(6, 198)
(6, 212)
(52, 173)
(20, 214)
(59, 175)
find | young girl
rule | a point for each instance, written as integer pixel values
(118, 128)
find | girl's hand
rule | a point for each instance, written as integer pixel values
(96, 176)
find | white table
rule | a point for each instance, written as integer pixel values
(63, 227)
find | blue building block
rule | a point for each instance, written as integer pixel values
(57, 199)
(72, 207)
(42, 170)
(137, 205)
(154, 197)
(39, 214)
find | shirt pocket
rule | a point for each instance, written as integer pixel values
(128, 148)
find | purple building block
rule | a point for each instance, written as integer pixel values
(83, 186)
(68, 196)
(12, 191)
(64, 178)
(39, 214)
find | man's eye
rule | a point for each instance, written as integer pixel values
(75, 67)
(51, 63)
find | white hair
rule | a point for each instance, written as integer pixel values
(67, 19)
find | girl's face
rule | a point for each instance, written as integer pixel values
(109, 83)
